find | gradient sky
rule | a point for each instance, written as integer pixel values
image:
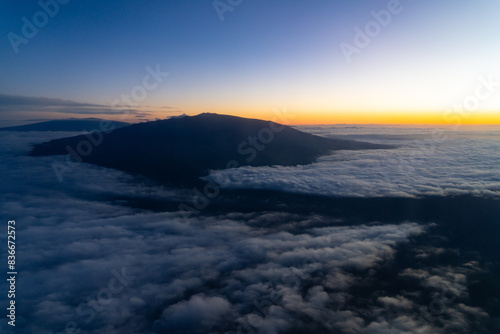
(264, 55)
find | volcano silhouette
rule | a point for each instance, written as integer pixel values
(180, 150)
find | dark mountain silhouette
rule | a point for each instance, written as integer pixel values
(179, 150)
(81, 125)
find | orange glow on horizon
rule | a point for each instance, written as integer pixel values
(398, 118)
(293, 117)
(402, 118)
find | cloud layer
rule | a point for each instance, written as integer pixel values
(24, 108)
(102, 267)
(437, 163)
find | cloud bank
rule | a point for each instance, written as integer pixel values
(16, 108)
(452, 166)
(100, 266)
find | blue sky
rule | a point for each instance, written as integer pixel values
(264, 54)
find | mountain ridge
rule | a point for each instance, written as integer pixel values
(180, 150)
(80, 125)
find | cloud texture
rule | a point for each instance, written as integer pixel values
(100, 266)
(427, 162)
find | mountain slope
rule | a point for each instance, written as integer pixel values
(180, 150)
(80, 125)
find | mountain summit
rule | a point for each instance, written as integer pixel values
(180, 150)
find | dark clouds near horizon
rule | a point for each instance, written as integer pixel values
(13, 105)
(105, 267)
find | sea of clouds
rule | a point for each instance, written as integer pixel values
(426, 161)
(88, 265)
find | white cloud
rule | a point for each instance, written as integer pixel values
(263, 272)
(464, 163)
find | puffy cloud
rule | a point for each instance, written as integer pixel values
(195, 315)
(397, 302)
(95, 264)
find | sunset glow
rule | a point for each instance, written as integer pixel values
(250, 166)
(391, 62)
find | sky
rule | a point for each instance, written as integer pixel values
(335, 62)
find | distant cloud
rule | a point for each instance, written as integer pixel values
(16, 100)
(457, 166)
(15, 104)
